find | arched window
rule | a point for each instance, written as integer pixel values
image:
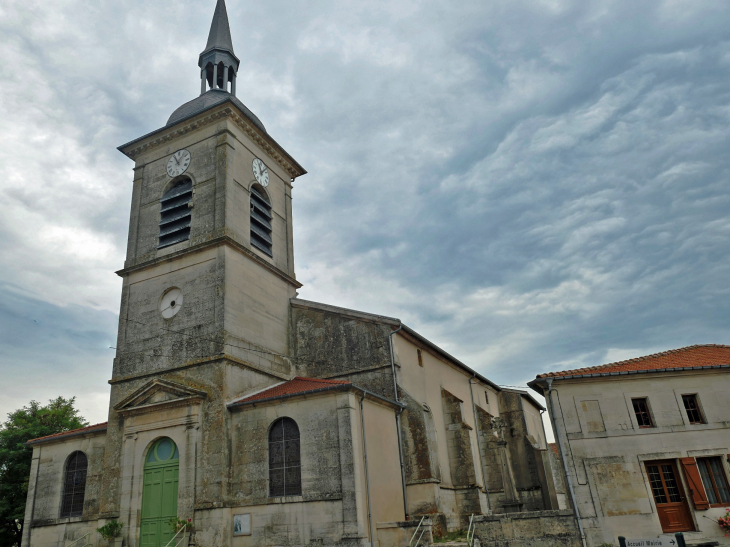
(74, 485)
(285, 474)
(175, 214)
(261, 220)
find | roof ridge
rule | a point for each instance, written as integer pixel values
(633, 360)
(652, 355)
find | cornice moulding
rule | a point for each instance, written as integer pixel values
(268, 144)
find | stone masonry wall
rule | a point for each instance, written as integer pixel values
(529, 529)
(331, 345)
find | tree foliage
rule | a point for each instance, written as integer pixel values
(30, 422)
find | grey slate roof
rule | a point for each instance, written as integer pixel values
(208, 100)
(220, 31)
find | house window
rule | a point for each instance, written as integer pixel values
(691, 405)
(420, 358)
(285, 475)
(261, 220)
(486, 397)
(175, 214)
(641, 408)
(713, 477)
(74, 486)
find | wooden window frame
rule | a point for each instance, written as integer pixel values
(645, 401)
(712, 479)
(698, 408)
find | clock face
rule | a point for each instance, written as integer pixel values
(171, 302)
(260, 172)
(178, 163)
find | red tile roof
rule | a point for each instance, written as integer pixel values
(71, 432)
(295, 386)
(689, 357)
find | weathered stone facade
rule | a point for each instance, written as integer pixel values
(400, 431)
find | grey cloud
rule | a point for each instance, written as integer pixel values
(532, 184)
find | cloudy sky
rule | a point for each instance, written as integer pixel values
(531, 184)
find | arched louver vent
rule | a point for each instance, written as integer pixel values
(175, 214)
(261, 221)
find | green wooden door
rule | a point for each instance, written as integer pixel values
(159, 494)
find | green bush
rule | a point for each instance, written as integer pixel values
(451, 536)
(111, 529)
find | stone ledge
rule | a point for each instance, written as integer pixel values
(402, 524)
(524, 515)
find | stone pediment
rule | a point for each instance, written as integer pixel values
(158, 395)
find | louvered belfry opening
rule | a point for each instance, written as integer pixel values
(261, 220)
(74, 486)
(175, 214)
(285, 474)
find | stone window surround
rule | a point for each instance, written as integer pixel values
(680, 404)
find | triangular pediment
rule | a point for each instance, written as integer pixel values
(159, 394)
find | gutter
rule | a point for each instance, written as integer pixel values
(549, 382)
(367, 475)
(397, 422)
(479, 448)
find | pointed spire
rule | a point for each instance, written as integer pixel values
(218, 64)
(219, 36)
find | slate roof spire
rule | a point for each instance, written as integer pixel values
(220, 32)
(218, 64)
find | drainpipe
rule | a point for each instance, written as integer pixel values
(479, 448)
(549, 382)
(367, 476)
(397, 421)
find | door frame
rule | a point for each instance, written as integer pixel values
(157, 465)
(679, 477)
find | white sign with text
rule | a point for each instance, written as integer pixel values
(666, 541)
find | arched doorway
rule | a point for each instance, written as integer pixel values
(159, 494)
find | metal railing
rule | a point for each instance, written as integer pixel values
(470, 531)
(82, 537)
(173, 537)
(411, 544)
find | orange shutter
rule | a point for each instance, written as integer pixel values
(692, 474)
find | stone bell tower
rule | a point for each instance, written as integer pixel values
(209, 270)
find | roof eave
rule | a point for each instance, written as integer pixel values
(626, 373)
(124, 147)
(450, 357)
(338, 387)
(43, 440)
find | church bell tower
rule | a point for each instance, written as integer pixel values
(209, 270)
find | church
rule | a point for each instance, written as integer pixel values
(258, 417)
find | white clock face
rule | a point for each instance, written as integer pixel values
(260, 172)
(178, 163)
(171, 302)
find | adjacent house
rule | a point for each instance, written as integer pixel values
(645, 443)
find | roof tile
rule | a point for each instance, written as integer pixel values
(294, 386)
(87, 429)
(690, 356)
